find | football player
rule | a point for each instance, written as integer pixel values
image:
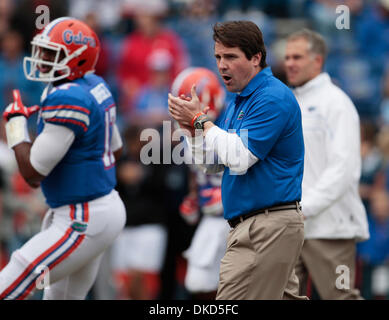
(203, 203)
(72, 159)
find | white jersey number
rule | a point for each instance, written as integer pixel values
(110, 118)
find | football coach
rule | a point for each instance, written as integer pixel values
(259, 145)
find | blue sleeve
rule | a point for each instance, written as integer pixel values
(69, 108)
(264, 124)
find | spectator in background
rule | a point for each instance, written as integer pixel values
(11, 69)
(103, 63)
(151, 107)
(6, 7)
(324, 15)
(7, 158)
(383, 144)
(372, 162)
(23, 18)
(374, 253)
(137, 268)
(2, 187)
(194, 25)
(93, 16)
(372, 32)
(179, 232)
(346, 62)
(3, 259)
(384, 106)
(149, 35)
(276, 8)
(7, 168)
(372, 190)
(106, 12)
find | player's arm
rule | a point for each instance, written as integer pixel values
(35, 161)
(16, 115)
(48, 149)
(22, 155)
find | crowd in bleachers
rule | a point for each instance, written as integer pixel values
(145, 44)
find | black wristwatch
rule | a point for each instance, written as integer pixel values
(199, 122)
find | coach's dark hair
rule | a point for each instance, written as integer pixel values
(242, 34)
(316, 42)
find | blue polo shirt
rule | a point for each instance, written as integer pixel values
(269, 112)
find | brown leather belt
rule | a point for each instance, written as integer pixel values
(285, 206)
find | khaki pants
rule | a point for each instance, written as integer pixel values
(260, 258)
(331, 265)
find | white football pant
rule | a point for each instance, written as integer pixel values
(63, 259)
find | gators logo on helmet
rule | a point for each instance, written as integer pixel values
(72, 46)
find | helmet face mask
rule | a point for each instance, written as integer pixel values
(66, 49)
(34, 65)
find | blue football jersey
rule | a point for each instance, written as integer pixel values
(206, 183)
(87, 171)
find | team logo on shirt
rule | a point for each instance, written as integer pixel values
(240, 115)
(311, 108)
